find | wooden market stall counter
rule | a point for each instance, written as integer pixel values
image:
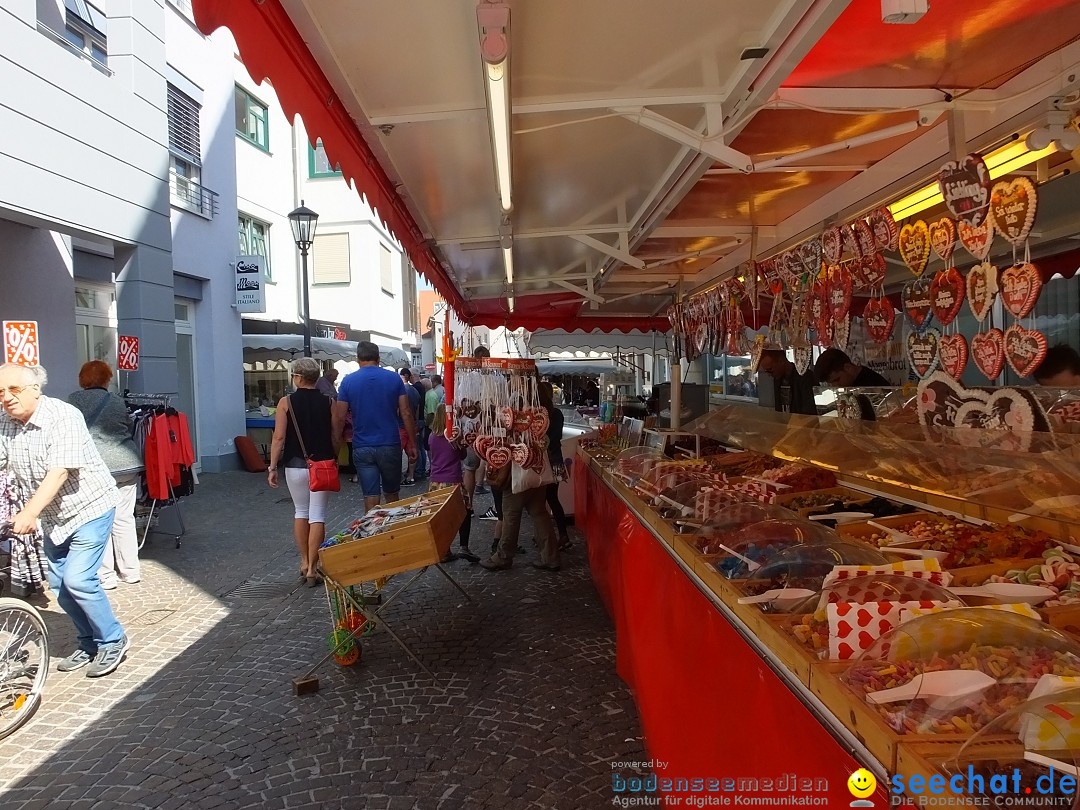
(715, 699)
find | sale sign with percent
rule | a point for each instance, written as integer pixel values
(127, 350)
(21, 343)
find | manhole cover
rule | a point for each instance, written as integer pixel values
(261, 590)
(151, 617)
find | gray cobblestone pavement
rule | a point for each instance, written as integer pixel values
(526, 712)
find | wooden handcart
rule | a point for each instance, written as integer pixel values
(415, 545)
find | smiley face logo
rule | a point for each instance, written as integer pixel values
(861, 783)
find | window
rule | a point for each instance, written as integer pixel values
(185, 148)
(330, 262)
(253, 241)
(318, 165)
(95, 325)
(85, 28)
(251, 119)
(386, 273)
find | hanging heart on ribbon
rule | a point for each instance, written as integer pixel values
(965, 185)
(810, 253)
(874, 269)
(943, 237)
(1025, 349)
(886, 234)
(792, 267)
(922, 351)
(915, 246)
(803, 355)
(976, 239)
(988, 352)
(879, 318)
(982, 286)
(800, 320)
(917, 301)
(1020, 287)
(520, 454)
(832, 244)
(840, 290)
(847, 237)
(953, 352)
(864, 238)
(756, 348)
(539, 422)
(819, 302)
(1012, 206)
(841, 332)
(498, 457)
(947, 295)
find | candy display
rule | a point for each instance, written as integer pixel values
(1014, 651)
(795, 565)
(1059, 571)
(634, 462)
(966, 543)
(379, 520)
(799, 478)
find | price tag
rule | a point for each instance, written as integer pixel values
(21, 343)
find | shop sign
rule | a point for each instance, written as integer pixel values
(127, 353)
(21, 343)
(250, 284)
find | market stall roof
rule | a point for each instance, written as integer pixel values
(289, 347)
(544, 341)
(575, 368)
(655, 146)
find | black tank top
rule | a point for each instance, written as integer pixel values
(312, 410)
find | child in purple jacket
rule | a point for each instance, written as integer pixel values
(446, 458)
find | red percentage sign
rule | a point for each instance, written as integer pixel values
(21, 341)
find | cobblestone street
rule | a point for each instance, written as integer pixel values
(527, 711)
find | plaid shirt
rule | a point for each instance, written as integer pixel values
(55, 437)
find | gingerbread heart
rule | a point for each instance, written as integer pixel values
(810, 253)
(847, 238)
(470, 438)
(943, 237)
(988, 352)
(498, 457)
(976, 239)
(1012, 206)
(1020, 286)
(506, 417)
(917, 301)
(540, 422)
(922, 351)
(1025, 349)
(819, 301)
(965, 185)
(1011, 413)
(482, 444)
(864, 238)
(840, 289)
(832, 244)
(791, 267)
(939, 398)
(886, 234)
(915, 246)
(953, 353)
(874, 269)
(879, 318)
(841, 332)
(982, 286)
(519, 454)
(947, 295)
(803, 355)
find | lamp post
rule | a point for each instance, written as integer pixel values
(303, 221)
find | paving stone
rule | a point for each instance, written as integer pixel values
(526, 710)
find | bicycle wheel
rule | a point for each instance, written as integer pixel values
(24, 663)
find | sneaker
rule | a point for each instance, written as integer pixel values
(465, 554)
(495, 564)
(490, 514)
(109, 584)
(77, 660)
(108, 658)
(408, 482)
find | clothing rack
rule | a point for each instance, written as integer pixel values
(133, 400)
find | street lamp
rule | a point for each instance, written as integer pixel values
(303, 221)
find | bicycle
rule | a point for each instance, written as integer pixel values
(24, 661)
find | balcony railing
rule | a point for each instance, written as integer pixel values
(192, 196)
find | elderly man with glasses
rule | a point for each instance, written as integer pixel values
(46, 447)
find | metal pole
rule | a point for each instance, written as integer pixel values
(307, 305)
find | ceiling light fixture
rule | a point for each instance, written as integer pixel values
(1009, 158)
(493, 20)
(508, 264)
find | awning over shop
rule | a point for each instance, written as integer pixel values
(288, 347)
(543, 341)
(573, 368)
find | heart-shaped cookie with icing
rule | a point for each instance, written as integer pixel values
(847, 239)
(803, 355)
(947, 295)
(917, 301)
(976, 239)
(988, 352)
(1020, 286)
(539, 423)
(873, 269)
(841, 333)
(915, 246)
(922, 351)
(1012, 206)
(519, 454)
(965, 186)
(498, 457)
(982, 286)
(810, 254)
(879, 318)
(832, 244)
(953, 354)
(1025, 349)
(840, 291)
(864, 238)
(943, 237)
(886, 234)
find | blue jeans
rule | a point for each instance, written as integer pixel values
(421, 450)
(378, 467)
(73, 576)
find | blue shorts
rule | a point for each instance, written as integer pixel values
(378, 466)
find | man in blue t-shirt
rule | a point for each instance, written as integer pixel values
(379, 405)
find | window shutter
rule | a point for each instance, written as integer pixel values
(330, 259)
(385, 272)
(184, 126)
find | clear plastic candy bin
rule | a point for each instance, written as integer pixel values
(634, 462)
(953, 672)
(805, 565)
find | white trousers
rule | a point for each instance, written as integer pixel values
(307, 505)
(122, 548)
